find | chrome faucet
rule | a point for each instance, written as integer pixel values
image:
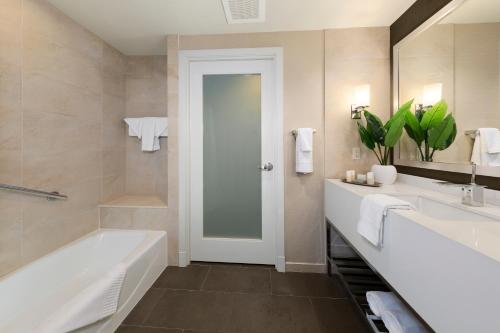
(472, 193)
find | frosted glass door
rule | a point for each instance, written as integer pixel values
(232, 152)
(232, 186)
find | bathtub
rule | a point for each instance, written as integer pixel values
(30, 294)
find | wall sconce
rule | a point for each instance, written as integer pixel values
(361, 101)
(432, 94)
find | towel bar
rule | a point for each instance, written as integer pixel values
(294, 132)
(47, 195)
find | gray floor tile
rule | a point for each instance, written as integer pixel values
(254, 313)
(190, 277)
(238, 279)
(196, 310)
(144, 307)
(338, 316)
(306, 284)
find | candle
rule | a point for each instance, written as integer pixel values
(370, 178)
(361, 178)
(350, 175)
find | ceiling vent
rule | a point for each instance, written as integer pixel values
(244, 11)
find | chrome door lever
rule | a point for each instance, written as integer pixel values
(267, 167)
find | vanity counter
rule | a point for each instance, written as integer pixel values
(447, 270)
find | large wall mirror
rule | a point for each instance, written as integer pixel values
(454, 56)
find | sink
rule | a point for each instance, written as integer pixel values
(443, 211)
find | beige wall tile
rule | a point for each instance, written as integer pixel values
(58, 72)
(10, 232)
(42, 18)
(10, 117)
(146, 96)
(43, 94)
(142, 218)
(55, 133)
(59, 62)
(114, 128)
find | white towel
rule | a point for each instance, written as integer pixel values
(486, 150)
(402, 321)
(380, 301)
(304, 150)
(373, 210)
(148, 130)
(97, 301)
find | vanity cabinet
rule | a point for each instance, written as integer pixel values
(355, 274)
(454, 288)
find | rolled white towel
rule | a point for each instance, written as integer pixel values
(402, 321)
(380, 301)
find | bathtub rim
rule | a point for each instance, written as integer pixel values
(155, 234)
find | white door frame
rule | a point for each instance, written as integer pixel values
(185, 58)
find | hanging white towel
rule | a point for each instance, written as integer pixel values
(486, 149)
(373, 210)
(97, 301)
(148, 130)
(304, 150)
(402, 321)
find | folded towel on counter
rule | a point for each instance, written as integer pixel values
(373, 210)
(96, 302)
(304, 150)
(380, 301)
(402, 321)
(148, 130)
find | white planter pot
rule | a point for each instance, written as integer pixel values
(385, 174)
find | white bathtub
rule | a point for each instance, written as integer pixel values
(29, 295)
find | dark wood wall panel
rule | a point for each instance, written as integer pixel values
(417, 14)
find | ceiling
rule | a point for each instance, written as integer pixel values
(138, 27)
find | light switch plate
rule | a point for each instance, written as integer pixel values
(356, 153)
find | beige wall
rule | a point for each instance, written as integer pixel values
(146, 96)
(353, 57)
(318, 66)
(61, 98)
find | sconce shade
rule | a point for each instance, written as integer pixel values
(432, 94)
(362, 95)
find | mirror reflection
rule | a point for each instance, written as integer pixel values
(456, 61)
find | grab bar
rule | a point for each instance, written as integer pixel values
(48, 195)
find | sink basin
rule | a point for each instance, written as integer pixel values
(442, 211)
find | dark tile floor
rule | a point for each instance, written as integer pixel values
(243, 299)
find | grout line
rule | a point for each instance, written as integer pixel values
(206, 278)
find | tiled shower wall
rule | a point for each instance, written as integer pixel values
(146, 96)
(62, 101)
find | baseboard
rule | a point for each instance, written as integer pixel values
(280, 264)
(305, 267)
(183, 259)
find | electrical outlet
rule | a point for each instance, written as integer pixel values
(356, 153)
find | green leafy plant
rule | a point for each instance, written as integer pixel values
(432, 129)
(380, 138)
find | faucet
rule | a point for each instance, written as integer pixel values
(472, 193)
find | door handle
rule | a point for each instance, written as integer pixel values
(267, 167)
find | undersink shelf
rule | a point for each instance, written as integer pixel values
(135, 201)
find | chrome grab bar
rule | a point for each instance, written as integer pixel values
(48, 195)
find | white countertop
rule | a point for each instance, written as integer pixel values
(481, 236)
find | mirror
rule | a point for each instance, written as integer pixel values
(454, 56)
